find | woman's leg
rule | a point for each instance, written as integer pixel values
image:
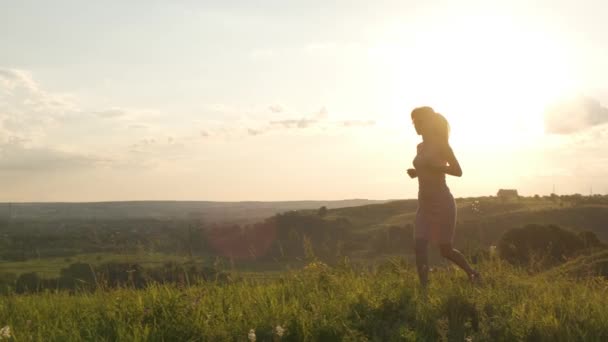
(422, 261)
(448, 252)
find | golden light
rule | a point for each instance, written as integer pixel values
(492, 77)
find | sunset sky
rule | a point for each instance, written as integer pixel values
(295, 100)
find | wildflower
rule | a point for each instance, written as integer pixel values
(492, 251)
(475, 207)
(279, 330)
(5, 333)
(316, 266)
(251, 335)
(468, 339)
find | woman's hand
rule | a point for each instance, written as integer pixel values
(412, 173)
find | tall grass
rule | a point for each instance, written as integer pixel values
(320, 303)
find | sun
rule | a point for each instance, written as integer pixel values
(492, 78)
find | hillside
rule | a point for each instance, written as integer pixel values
(365, 232)
(164, 210)
(307, 275)
(486, 218)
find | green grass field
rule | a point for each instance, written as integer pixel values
(50, 267)
(319, 303)
(375, 297)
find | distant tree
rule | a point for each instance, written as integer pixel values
(77, 276)
(322, 211)
(116, 274)
(555, 198)
(7, 282)
(28, 282)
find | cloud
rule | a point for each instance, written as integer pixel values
(574, 115)
(301, 123)
(43, 130)
(317, 117)
(111, 113)
(357, 123)
(254, 132)
(276, 108)
(315, 120)
(137, 126)
(25, 109)
(15, 155)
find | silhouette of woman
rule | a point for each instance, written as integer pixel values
(436, 215)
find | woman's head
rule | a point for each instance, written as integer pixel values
(430, 124)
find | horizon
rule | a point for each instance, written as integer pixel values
(291, 200)
(141, 101)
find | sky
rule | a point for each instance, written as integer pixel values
(297, 100)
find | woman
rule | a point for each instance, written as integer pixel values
(436, 215)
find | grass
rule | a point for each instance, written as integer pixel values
(319, 303)
(50, 267)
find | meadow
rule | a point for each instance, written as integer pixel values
(346, 302)
(343, 274)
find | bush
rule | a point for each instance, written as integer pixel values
(544, 245)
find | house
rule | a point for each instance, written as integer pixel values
(507, 194)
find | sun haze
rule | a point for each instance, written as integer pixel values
(218, 101)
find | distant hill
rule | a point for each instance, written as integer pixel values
(482, 220)
(208, 211)
(271, 232)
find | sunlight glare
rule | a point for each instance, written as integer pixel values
(492, 79)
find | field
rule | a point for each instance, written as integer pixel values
(343, 274)
(319, 303)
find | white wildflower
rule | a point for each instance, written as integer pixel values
(251, 335)
(492, 251)
(5, 333)
(279, 330)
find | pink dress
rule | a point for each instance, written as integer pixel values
(436, 215)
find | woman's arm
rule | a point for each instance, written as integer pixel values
(412, 172)
(453, 167)
(447, 164)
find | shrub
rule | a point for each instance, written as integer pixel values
(544, 245)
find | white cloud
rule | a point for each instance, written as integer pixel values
(357, 123)
(42, 130)
(574, 115)
(16, 156)
(315, 120)
(26, 109)
(111, 113)
(275, 108)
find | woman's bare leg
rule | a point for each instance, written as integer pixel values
(422, 261)
(448, 252)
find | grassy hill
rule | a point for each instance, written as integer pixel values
(164, 210)
(369, 291)
(486, 218)
(320, 303)
(365, 232)
(585, 266)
